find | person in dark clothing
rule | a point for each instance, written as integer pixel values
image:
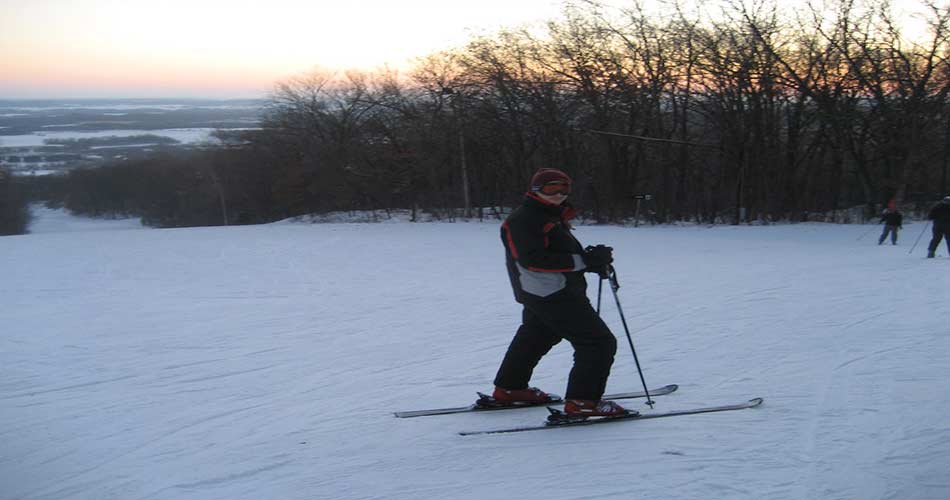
(546, 266)
(940, 215)
(893, 221)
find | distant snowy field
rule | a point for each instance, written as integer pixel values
(182, 135)
(263, 362)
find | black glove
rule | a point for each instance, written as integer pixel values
(597, 259)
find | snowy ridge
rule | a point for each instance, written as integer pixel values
(265, 361)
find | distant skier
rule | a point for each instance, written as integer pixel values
(940, 215)
(893, 221)
(546, 265)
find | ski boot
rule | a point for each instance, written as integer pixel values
(532, 396)
(593, 408)
(579, 410)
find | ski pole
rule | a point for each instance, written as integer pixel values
(866, 233)
(615, 285)
(918, 238)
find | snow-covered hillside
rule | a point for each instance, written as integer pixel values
(264, 362)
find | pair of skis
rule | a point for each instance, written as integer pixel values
(559, 419)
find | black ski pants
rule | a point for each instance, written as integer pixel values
(889, 229)
(939, 232)
(544, 324)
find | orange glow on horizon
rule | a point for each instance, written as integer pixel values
(84, 47)
(104, 48)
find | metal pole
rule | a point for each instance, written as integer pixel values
(636, 216)
(918, 238)
(458, 99)
(615, 285)
(946, 156)
(866, 233)
(600, 289)
(465, 189)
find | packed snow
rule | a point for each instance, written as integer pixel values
(264, 362)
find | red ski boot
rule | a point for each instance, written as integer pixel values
(593, 408)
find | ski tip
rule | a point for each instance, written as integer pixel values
(755, 402)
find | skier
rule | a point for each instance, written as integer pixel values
(546, 265)
(893, 220)
(940, 215)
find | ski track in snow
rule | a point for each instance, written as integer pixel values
(265, 361)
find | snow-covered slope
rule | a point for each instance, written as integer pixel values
(263, 362)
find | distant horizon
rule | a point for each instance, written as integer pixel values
(140, 99)
(215, 49)
(130, 94)
(221, 49)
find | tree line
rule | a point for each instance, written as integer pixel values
(14, 215)
(712, 112)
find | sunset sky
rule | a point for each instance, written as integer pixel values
(226, 48)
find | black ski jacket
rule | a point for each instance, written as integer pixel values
(892, 219)
(940, 214)
(542, 255)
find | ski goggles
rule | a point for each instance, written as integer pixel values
(553, 188)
